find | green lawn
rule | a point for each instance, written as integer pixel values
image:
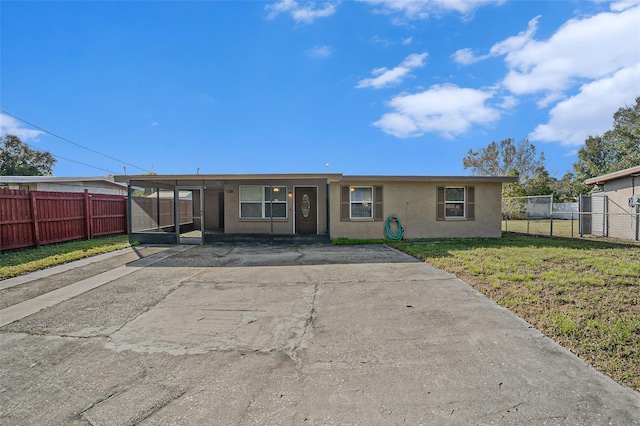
(583, 294)
(23, 261)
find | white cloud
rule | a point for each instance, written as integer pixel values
(445, 109)
(466, 56)
(305, 13)
(391, 77)
(581, 50)
(596, 56)
(621, 5)
(509, 102)
(11, 126)
(407, 40)
(590, 112)
(515, 43)
(154, 124)
(320, 52)
(422, 9)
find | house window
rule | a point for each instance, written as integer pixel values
(454, 202)
(261, 202)
(361, 202)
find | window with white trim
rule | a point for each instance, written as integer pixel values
(361, 202)
(454, 201)
(259, 202)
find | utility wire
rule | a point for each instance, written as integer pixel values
(69, 159)
(72, 143)
(85, 164)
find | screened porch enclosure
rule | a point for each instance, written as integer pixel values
(209, 209)
(182, 213)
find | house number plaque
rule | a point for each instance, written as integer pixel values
(306, 206)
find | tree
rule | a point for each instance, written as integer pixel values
(616, 149)
(507, 158)
(18, 159)
(541, 183)
(568, 188)
(501, 159)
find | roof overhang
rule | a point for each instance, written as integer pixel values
(632, 171)
(221, 179)
(435, 179)
(61, 180)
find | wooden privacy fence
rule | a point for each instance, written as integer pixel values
(33, 218)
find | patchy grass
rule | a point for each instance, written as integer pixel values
(21, 262)
(583, 294)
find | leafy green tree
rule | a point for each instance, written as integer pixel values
(501, 159)
(541, 183)
(615, 149)
(568, 188)
(18, 159)
(508, 158)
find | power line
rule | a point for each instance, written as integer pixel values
(85, 164)
(69, 159)
(71, 142)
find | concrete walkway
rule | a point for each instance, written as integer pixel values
(293, 335)
(51, 298)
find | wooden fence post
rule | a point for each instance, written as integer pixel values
(88, 212)
(34, 219)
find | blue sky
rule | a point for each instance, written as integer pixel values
(353, 87)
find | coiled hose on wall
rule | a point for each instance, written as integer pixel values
(389, 233)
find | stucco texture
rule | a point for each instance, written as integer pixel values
(415, 204)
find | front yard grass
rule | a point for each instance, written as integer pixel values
(583, 294)
(21, 262)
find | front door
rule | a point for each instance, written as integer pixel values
(306, 210)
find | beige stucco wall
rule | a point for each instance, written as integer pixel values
(622, 221)
(233, 224)
(415, 204)
(619, 191)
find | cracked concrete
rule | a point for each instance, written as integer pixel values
(293, 335)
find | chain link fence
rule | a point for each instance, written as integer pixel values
(589, 217)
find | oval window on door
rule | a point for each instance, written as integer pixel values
(306, 206)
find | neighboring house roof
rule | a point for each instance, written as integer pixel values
(632, 171)
(61, 180)
(330, 177)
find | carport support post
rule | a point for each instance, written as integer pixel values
(158, 207)
(176, 211)
(129, 213)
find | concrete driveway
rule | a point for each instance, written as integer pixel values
(239, 335)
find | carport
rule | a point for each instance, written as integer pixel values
(197, 209)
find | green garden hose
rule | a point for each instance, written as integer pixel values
(389, 233)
